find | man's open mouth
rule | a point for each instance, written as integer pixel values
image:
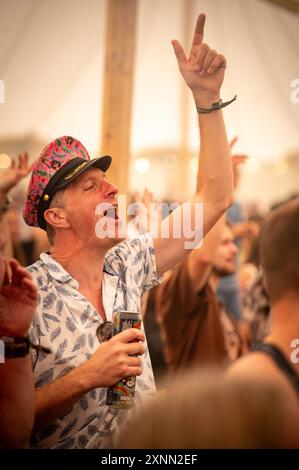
(112, 212)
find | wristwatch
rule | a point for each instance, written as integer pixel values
(13, 347)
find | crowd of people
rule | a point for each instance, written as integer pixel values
(222, 317)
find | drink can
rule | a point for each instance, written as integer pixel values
(121, 395)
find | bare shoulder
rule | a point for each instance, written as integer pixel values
(258, 367)
(253, 364)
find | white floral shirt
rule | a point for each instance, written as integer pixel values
(66, 322)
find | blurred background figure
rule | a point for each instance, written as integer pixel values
(18, 299)
(276, 355)
(195, 328)
(209, 411)
(23, 243)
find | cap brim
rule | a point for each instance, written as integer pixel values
(102, 163)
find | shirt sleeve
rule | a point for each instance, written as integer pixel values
(176, 298)
(138, 256)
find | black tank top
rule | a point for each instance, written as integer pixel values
(281, 362)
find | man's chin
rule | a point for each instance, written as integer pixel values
(109, 242)
(224, 272)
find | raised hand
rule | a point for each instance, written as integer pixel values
(204, 69)
(18, 299)
(148, 215)
(17, 171)
(237, 159)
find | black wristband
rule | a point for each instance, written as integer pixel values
(15, 347)
(215, 106)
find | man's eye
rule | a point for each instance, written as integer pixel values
(89, 187)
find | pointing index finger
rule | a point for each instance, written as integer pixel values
(199, 30)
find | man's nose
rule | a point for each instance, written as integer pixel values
(235, 249)
(111, 191)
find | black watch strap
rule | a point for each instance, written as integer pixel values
(15, 347)
(19, 347)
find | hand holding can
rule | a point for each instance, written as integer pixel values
(121, 395)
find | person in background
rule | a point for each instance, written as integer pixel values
(9, 179)
(205, 410)
(18, 299)
(277, 356)
(256, 312)
(229, 289)
(195, 328)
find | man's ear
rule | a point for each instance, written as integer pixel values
(56, 217)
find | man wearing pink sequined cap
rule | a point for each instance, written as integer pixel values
(59, 164)
(85, 278)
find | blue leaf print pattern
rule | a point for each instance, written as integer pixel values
(55, 334)
(137, 259)
(90, 340)
(53, 268)
(70, 324)
(39, 281)
(134, 242)
(123, 274)
(49, 430)
(38, 329)
(51, 317)
(64, 372)
(89, 420)
(65, 360)
(80, 342)
(42, 356)
(67, 444)
(59, 306)
(85, 315)
(151, 250)
(91, 323)
(45, 378)
(82, 441)
(60, 350)
(49, 301)
(69, 427)
(92, 430)
(83, 403)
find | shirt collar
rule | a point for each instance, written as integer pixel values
(61, 275)
(57, 271)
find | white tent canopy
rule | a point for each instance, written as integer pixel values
(51, 63)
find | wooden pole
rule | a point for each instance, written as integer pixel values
(118, 88)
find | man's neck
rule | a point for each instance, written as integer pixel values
(285, 325)
(83, 263)
(214, 281)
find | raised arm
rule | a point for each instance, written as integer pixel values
(18, 297)
(203, 72)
